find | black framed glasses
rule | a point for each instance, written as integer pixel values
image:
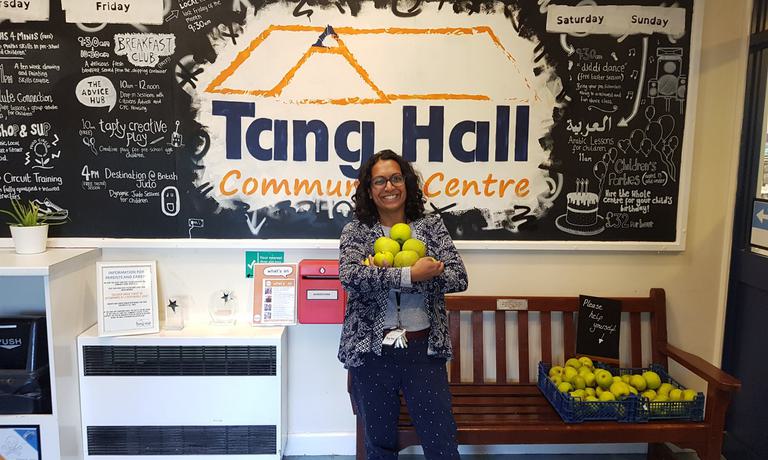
(394, 179)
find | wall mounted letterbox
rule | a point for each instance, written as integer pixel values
(321, 297)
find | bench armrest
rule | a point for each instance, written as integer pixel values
(712, 374)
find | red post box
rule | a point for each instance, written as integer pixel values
(321, 298)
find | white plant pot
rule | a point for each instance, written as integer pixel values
(30, 240)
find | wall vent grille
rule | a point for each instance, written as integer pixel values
(179, 360)
(182, 440)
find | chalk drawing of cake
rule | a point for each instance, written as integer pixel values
(581, 216)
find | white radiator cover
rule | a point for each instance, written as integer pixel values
(187, 400)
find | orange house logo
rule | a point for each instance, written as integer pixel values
(347, 65)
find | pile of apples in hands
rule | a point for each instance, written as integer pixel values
(397, 250)
(582, 381)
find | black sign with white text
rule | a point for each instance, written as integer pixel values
(599, 327)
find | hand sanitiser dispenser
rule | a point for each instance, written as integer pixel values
(321, 297)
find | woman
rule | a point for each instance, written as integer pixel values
(384, 301)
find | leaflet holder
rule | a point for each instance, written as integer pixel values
(321, 297)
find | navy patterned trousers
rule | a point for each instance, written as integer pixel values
(424, 383)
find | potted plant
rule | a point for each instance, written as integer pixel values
(29, 226)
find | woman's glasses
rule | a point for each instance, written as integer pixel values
(394, 179)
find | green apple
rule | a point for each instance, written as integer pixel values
(661, 398)
(406, 258)
(638, 382)
(413, 244)
(664, 389)
(619, 389)
(590, 391)
(384, 244)
(564, 387)
(383, 259)
(574, 363)
(652, 380)
(556, 379)
(689, 395)
(578, 394)
(591, 399)
(603, 378)
(650, 394)
(585, 361)
(556, 370)
(625, 378)
(589, 378)
(579, 383)
(607, 396)
(569, 373)
(675, 394)
(400, 233)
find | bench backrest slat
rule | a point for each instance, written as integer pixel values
(501, 343)
(635, 344)
(633, 309)
(546, 336)
(477, 347)
(522, 346)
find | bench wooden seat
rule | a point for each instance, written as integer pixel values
(507, 411)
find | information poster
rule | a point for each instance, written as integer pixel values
(274, 294)
(127, 298)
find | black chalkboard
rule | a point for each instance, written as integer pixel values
(599, 327)
(110, 122)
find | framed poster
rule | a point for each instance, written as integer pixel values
(274, 294)
(127, 298)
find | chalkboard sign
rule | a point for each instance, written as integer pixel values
(599, 327)
(550, 122)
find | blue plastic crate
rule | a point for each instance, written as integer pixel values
(662, 410)
(572, 410)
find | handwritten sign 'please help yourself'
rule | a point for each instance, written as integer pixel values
(599, 327)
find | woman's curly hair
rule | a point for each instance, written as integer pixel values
(365, 209)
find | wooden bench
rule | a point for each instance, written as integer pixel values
(515, 412)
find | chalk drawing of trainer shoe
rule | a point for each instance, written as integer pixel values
(51, 211)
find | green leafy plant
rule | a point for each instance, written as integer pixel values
(28, 215)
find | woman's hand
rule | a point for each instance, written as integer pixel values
(426, 268)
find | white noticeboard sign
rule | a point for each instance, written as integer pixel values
(127, 296)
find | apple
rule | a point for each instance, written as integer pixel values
(591, 399)
(619, 389)
(638, 382)
(556, 379)
(675, 394)
(603, 378)
(400, 233)
(579, 383)
(589, 378)
(383, 259)
(625, 378)
(413, 244)
(650, 394)
(689, 395)
(585, 361)
(569, 373)
(664, 389)
(574, 363)
(555, 370)
(607, 396)
(564, 387)
(652, 380)
(406, 258)
(384, 244)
